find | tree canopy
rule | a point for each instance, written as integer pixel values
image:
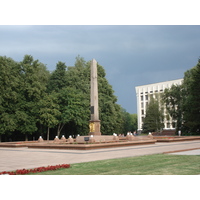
(191, 103)
(173, 99)
(35, 102)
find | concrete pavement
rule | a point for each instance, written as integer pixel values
(19, 158)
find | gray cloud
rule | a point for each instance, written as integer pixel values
(131, 55)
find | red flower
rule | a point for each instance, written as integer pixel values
(35, 170)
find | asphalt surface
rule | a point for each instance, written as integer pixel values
(19, 158)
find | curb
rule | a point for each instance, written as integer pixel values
(180, 150)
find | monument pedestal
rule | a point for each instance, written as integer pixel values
(94, 127)
(95, 138)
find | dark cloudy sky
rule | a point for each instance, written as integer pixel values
(131, 55)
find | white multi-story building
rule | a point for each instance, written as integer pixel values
(143, 92)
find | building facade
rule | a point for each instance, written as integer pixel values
(143, 93)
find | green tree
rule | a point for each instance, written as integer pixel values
(153, 121)
(9, 94)
(78, 76)
(72, 90)
(57, 82)
(78, 79)
(128, 122)
(191, 105)
(33, 83)
(49, 111)
(134, 122)
(73, 113)
(173, 98)
(57, 79)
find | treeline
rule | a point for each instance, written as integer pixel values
(182, 103)
(35, 102)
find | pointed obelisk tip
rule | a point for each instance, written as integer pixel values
(93, 60)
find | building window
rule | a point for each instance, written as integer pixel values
(142, 112)
(142, 105)
(141, 98)
(168, 125)
(146, 97)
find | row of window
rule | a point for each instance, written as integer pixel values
(161, 90)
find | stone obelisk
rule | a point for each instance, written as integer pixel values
(94, 103)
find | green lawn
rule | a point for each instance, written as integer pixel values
(159, 164)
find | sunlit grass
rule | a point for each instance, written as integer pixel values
(159, 164)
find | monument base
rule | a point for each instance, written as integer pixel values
(97, 138)
(95, 128)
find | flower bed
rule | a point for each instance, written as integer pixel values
(35, 170)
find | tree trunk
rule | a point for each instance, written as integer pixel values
(48, 134)
(26, 137)
(60, 127)
(58, 130)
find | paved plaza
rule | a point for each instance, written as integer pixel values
(19, 158)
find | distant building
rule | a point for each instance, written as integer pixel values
(143, 92)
